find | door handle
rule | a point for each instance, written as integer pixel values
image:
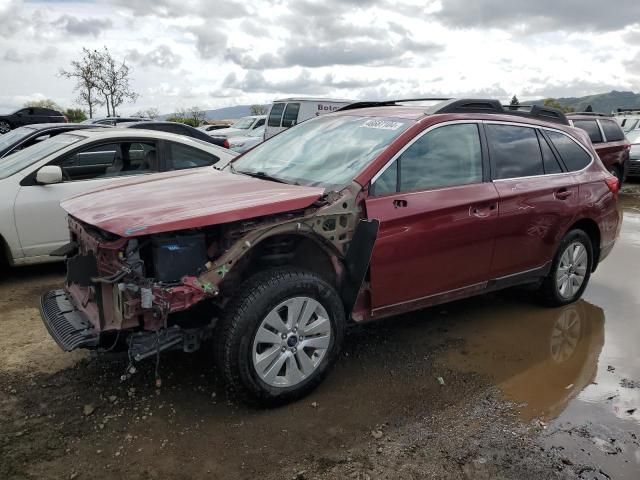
(563, 194)
(399, 203)
(482, 211)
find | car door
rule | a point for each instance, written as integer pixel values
(41, 222)
(23, 117)
(537, 198)
(437, 218)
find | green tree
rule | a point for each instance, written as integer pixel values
(514, 101)
(86, 73)
(553, 103)
(46, 103)
(75, 115)
(258, 110)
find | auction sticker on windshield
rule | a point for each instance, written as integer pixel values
(382, 124)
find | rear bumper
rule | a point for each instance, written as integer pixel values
(69, 327)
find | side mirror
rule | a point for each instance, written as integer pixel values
(49, 174)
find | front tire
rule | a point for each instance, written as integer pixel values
(280, 336)
(570, 270)
(5, 127)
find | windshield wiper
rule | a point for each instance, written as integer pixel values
(260, 175)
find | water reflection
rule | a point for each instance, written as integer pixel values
(540, 358)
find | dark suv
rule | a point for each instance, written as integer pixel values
(348, 217)
(28, 116)
(608, 139)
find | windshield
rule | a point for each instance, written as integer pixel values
(326, 151)
(243, 123)
(14, 136)
(24, 158)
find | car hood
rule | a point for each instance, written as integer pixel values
(186, 199)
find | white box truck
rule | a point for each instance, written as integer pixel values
(287, 112)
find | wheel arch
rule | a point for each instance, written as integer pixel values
(590, 227)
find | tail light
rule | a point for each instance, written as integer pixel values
(613, 183)
(226, 144)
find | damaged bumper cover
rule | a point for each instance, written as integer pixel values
(69, 327)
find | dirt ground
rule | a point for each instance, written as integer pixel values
(491, 387)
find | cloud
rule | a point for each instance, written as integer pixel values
(303, 83)
(223, 9)
(12, 55)
(210, 43)
(161, 56)
(540, 15)
(83, 26)
(633, 65)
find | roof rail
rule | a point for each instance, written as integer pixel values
(494, 106)
(448, 105)
(628, 110)
(593, 114)
(388, 103)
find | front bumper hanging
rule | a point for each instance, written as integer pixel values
(66, 325)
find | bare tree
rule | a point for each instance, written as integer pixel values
(46, 103)
(258, 110)
(151, 113)
(113, 81)
(86, 73)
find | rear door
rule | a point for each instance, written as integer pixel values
(537, 198)
(437, 218)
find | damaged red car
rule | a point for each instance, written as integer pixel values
(372, 211)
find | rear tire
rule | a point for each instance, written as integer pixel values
(570, 270)
(279, 336)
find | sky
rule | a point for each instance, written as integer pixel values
(220, 53)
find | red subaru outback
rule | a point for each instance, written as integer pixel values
(349, 217)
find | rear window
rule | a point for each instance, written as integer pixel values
(612, 132)
(591, 127)
(515, 151)
(275, 115)
(290, 117)
(573, 155)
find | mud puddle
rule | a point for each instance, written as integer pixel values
(574, 371)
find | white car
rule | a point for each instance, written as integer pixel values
(241, 127)
(33, 181)
(287, 112)
(242, 144)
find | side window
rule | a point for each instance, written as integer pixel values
(387, 182)
(612, 131)
(182, 157)
(259, 123)
(110, 160)
(275, 115)
(290, 117)
(515, 151)
(446, 156)
(551, 164)
(591, 127)
(574, 157)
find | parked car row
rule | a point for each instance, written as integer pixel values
(374, 210)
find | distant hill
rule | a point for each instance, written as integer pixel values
(227, 113)
(602, 102)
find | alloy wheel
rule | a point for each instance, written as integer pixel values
(291, 342)
(572, 270)
(4, 127)
(565, 335)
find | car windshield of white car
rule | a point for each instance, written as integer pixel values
(14, 136)
(326, 151)
(243, 123)
(22, 159)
